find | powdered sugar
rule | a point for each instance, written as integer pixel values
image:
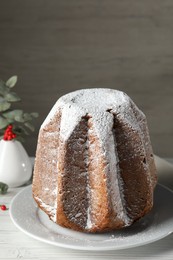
(89, 223)
(92, 102)
(50, 209)
(84, 102)
(78, 215)
(71, 116)
(115, 185)
(87, 143)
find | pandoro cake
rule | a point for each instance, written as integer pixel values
(94, 169)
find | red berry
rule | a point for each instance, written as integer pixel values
(3, 207)
(9, 135)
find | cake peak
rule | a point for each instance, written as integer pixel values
(98, 103)
(95, 98)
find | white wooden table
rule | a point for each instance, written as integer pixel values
(16, 245)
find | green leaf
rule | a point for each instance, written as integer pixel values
(30, 126)
(10, 121)
(34, 114)
(3, 188)
(19, 119)
(12, 97)
(15, 115)
(3, 88)
(4, 105)
(11, 82)
(27, 117)
(3, 122)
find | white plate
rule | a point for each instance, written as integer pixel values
(31, 220)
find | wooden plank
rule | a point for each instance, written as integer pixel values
(59, 46)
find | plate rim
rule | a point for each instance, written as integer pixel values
(83, 248)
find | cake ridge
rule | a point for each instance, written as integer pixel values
(108, 147)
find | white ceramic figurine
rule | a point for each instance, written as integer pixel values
(15, 164)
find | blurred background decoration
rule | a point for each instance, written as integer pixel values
(59, 46)
(21, 121)
(15, 125)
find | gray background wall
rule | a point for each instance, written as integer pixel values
(59, 46)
